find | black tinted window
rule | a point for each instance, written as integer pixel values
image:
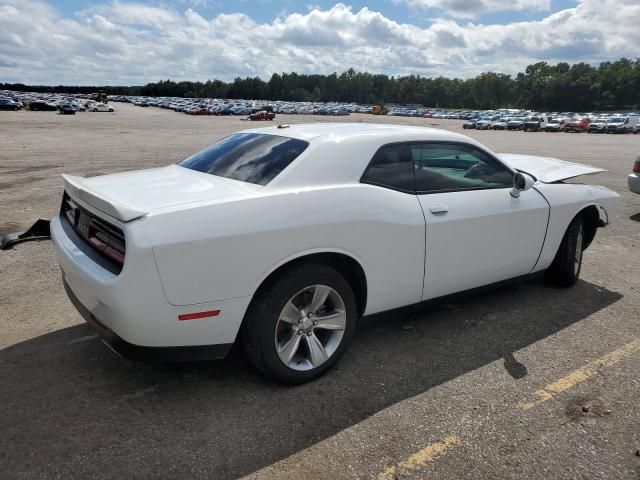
(392, 167)
(248, 157)
(443, 167)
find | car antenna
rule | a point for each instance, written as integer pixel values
(283, 126)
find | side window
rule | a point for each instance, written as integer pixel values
(447, 167)
(391, 167)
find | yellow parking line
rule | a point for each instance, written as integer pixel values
(583, 373)
(421, 457)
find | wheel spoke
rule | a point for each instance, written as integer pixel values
(290, 348)
(316, 350)
(290, 313)
(320, 294)
(334, 321)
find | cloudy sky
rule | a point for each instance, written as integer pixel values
(121, 42)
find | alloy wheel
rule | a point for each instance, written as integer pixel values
(310, 327)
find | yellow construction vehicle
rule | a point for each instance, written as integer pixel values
(379, 110)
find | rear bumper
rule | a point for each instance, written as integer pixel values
(130, 308)
(138, 352)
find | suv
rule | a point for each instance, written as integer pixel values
(486, 123)
(599, 125)
(515, 123)
(501, 123)
(577, 125)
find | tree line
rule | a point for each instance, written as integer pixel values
(560, 87)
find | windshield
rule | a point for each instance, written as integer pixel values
(247, 157)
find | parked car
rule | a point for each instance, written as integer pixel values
(103, 107)
(634, 178)
(262, 115)
(249, 239)
(470, 123)
(515, 123)
(501, 123)
(555, 124)
(486, 123)
(598, 125)
(9, 104)
(39, 105)
(535, 123)
(622, 124)
(67, 109)
(577, 125)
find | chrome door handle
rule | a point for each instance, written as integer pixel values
(435, 209)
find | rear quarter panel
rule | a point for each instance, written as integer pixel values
(226, 250)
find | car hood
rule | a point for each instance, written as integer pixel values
(546, 169)
(130, 195)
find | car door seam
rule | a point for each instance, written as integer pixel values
(546, 231)
(424, 250)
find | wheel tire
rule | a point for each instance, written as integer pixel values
(258, 333)
(564, 271)
(95, 109)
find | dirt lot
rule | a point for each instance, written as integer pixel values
(527, 381)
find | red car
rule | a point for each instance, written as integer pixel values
(201, 111)
(262, 115)
(577, 125)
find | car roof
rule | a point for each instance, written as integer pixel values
(314, 132)
(338, 153)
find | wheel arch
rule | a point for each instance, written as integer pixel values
(346, 264)
(593, 218)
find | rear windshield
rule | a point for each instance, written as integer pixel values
(248, 157)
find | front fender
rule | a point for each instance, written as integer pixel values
(566, 201)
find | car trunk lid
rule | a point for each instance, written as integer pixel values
(130, 195)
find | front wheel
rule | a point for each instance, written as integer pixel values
(565, 268)
(299, 325)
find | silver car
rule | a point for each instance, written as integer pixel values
(634, 178)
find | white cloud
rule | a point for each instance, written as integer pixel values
(130, 43)
(475, 8)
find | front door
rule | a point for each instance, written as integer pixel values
(476, 232)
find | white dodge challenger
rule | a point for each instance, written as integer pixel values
(282, 237)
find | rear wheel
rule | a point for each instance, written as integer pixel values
(565, 268)
(300, 324)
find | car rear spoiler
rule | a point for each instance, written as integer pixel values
(78, 187)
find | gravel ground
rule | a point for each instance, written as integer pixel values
(436, 392)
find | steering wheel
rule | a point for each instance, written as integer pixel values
(477, 171)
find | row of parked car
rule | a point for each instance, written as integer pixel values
(65, 104)
(213, 106)
(266, 110)
(556, 122)
(216, 106)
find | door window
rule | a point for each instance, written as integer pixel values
(451, 167)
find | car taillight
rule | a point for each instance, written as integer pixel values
(636, 166)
